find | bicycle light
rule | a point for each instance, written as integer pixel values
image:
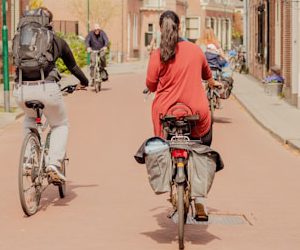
(179, 153)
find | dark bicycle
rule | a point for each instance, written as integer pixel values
(33, 179)
(178, 130)
(99, 74)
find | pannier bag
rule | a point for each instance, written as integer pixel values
(202, 164)
(227, 86)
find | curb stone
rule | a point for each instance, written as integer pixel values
(277, 136)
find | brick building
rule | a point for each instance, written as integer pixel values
(129, 29)
(13, 12)
(272, 39)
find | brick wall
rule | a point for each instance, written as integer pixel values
(259, 68)
(286, 43)
(23, 4)
(8, 18)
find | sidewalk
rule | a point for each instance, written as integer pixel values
(7, 118)
(271, 112)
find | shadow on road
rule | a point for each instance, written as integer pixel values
(195, 234)
(222, 120)
(102, 89)
(51, 196)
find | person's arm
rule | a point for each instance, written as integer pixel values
(105, 39)
(153, 71)
(207, 75)
(206, 72)
(69, 60)
(221, 61)
(88, 40)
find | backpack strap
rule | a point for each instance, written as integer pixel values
(20, 76)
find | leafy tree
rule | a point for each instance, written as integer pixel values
(34, 4)
(101, 11)
(79, 51)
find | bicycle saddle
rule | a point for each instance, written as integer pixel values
(34, 104)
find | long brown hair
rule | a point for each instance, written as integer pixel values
(208, 36)
(169, 25)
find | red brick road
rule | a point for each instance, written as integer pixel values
(110, 205)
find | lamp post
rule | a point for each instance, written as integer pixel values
(5, 58)
(88, 29)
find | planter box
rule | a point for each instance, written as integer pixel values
(273, 88)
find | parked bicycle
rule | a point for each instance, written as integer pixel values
(241, 62)
(33, 179)
(222, 91)
(99, 74)
(178, 130)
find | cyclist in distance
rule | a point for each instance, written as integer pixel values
(36, 82)
(96, 40)
(175, 73)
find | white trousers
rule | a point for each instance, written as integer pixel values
(50, 95)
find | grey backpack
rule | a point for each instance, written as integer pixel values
(33, 44)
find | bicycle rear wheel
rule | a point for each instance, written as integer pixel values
(98, 86)
(181, 215)
(29, 187)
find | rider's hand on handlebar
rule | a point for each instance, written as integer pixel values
(217, 85)
(214, 84)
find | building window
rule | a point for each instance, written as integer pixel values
(260, 33)
(150, 27)
(154, 3)
(207, 22)
(192, 28)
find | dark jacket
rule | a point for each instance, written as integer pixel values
(215, 60)
(60, 50)
(96, 42)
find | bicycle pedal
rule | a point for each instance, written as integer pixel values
(171, 213)
(57, 183)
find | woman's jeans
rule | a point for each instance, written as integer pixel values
(50, 95)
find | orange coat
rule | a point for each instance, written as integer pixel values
(180, 80)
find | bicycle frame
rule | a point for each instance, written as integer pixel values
(40, 128)
(98, 62)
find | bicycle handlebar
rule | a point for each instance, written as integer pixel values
(69, 89)
(146, 91)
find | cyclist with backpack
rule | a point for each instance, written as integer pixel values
(35, 50)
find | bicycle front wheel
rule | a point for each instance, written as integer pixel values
(62, 186)
(29, 188)
(181, 215)
(98, 86)
(212, 109)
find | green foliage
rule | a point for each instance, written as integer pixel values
(236, 34)
(78, 49)
(108, 52)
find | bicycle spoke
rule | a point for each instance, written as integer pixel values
(27, 189)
